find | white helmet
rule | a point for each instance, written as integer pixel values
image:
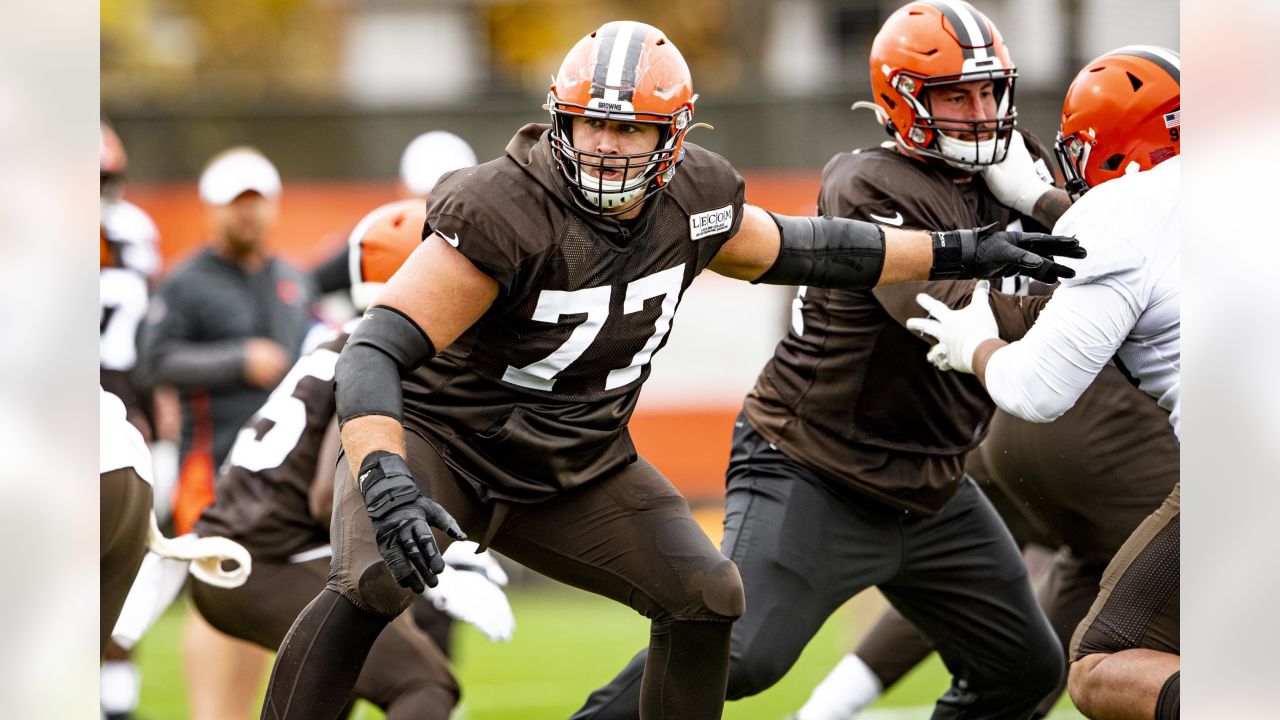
(431, 155)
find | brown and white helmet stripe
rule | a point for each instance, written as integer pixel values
(617, 56)
(1165, 59)
(972, 33)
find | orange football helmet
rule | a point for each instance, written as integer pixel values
(935, 43)
(1122, 114)
(380, 244)
(624, 71)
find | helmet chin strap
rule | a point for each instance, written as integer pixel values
(966, 154)
(610, 194)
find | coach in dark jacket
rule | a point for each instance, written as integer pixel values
(225, 326)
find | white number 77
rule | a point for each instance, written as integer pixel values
(594, 302)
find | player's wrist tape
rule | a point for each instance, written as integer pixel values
(385, 483)
(384, 347)
(952, 250)
(826, 252)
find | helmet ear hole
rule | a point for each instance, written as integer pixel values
(1112, 163)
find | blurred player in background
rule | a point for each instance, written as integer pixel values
(276, 499)
(548, 280)
(1119, 143)
(846, 471)
(129, 260)
(125, 507)
(223, 329)
(128, 530)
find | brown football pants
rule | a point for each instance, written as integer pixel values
(1139, 603)
(125, 508)
(629, 537)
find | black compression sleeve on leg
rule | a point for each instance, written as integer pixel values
(687, 670)
(384, 347)
(320, 659)
(1168, 703)
(827, 252)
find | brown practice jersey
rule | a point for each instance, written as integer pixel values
(535, 397)
(263, 488)
(1088, 478)
(848, 392)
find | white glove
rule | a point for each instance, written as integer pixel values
(463, 556)
(472, 597)
(959, 332)
(1014, 181)
(206, 555)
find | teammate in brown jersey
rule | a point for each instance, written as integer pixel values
(275, 498)
(847, 468)
(547, 280)
(1081, 485)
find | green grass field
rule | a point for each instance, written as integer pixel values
(567, 643)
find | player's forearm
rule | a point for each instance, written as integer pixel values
(982, 355)
(1050, 206)
(1041, 376)
(370, 433)
(908, 255)
(194, 364)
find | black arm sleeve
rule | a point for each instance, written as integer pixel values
(827, 252)
(384, 347)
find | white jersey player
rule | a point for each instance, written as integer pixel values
(1121, 127)
(1123, 302)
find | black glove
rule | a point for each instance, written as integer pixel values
(402, 520)
(988, 253)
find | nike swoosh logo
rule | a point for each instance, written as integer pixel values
(895, 220)
(451, 240)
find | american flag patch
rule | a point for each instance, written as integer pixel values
(1173, 119)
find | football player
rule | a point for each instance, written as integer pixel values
(128, 260)
(490, 385)
(275, 498)
(847, 470)
(1080, 485)
(1118, 144)
(125, 468)
(223, 329)
(128, 525)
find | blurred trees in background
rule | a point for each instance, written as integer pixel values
(334, 88)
